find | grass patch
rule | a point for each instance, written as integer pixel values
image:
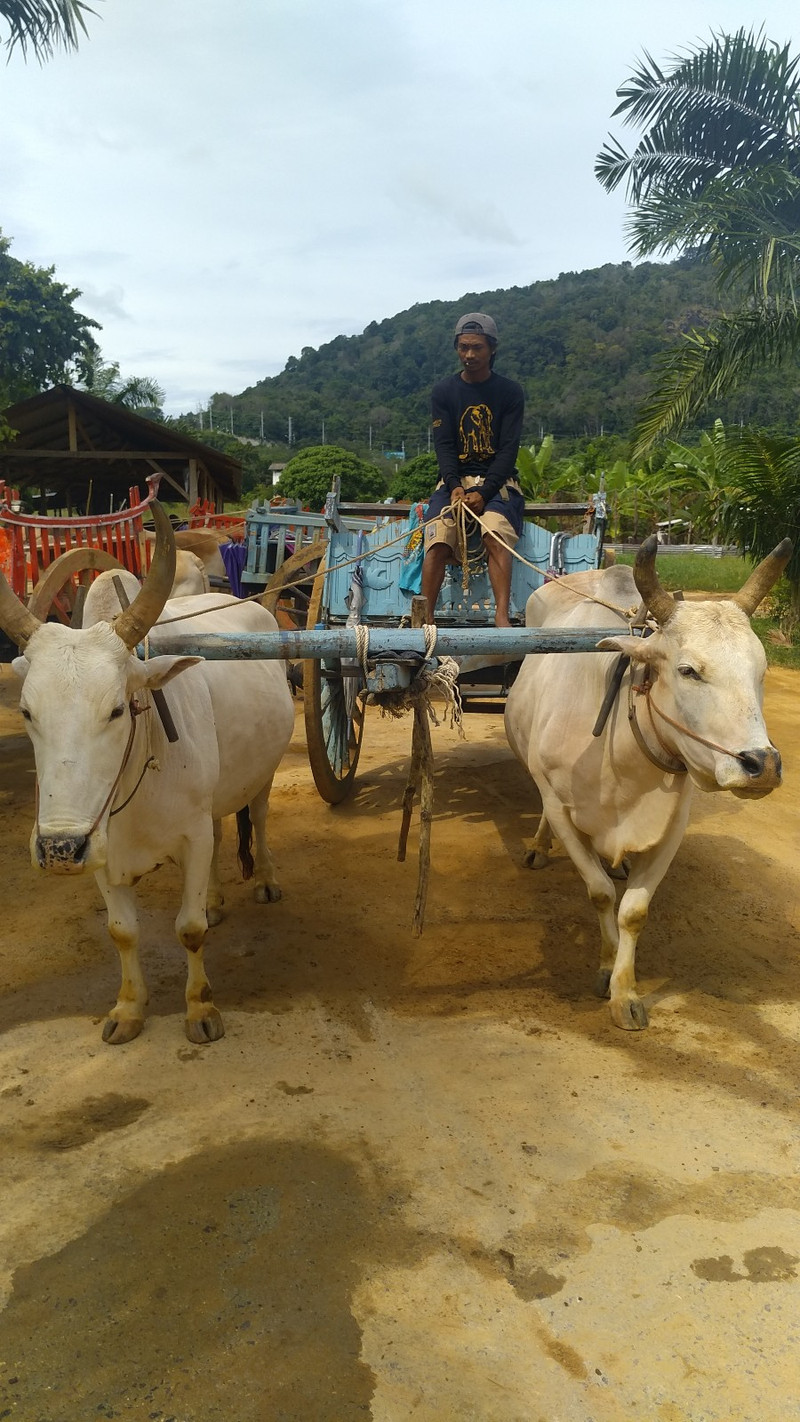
(696, 572)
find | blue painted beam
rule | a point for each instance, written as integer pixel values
(510, 643)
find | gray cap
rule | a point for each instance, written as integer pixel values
(477, 322)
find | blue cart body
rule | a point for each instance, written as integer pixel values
(381, 558)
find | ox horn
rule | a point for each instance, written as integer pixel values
(135, 622)
(763, 577)
(656, 599)
(16, 621)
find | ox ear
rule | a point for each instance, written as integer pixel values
(20, 667)
(159, 670)
(639, 649)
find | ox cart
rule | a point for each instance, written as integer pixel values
(342, 586)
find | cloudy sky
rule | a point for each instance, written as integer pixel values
(228, 183)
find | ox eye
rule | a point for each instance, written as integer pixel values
(116, 713)
(690, 673)
(25, 712)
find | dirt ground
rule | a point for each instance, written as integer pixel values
(419, 1178)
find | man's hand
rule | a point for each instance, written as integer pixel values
(457, 494)
(474, 501)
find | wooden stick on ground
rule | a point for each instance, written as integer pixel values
(420, 768)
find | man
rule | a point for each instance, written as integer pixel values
(477, 423)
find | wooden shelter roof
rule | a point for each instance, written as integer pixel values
(86, 449)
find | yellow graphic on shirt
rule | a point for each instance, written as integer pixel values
(475, 431)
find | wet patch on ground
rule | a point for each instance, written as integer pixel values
(767, 1265)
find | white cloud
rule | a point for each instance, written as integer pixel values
(229, 184)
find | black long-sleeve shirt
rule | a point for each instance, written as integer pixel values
(477, 429)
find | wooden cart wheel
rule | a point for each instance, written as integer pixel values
(54, 590)
(333, 731)
(290, 608)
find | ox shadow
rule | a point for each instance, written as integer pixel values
(221, 1288)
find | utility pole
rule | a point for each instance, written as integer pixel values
(230, 407)
(370, 439)
(210, 414)
(290, 431)
(323, 429)
(262, 426)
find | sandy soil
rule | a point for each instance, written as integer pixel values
(417, 1179)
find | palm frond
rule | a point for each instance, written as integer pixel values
(724, 108)
(44, 25)
(764, 494)
(711, 363)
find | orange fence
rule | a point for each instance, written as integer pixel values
(203, 515)
(29, 543)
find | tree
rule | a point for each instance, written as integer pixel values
(43, 338)
(43, 24)
(416, 480)
(310, 474)
(139, 392)
(717, 174)
(702, 476)
(763, 474)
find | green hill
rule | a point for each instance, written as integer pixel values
(583, 346)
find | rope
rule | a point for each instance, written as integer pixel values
(627, 613)
(469, 563)
(428, 682)
(293, 583)
(362, 645)
(646, 690)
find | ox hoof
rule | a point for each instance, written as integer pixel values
(214, 915)
(116, 1033)
(267, 893)
(629, 1014)
(602, 981)
(205, 1029)
(534, 859)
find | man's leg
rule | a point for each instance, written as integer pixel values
(433, 571)
(499, 560)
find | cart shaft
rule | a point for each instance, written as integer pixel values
(387, 643)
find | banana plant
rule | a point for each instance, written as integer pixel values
(541, 475)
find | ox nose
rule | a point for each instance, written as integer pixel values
(64, 854)
(763, 765)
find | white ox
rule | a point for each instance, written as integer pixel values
(625, 794)
(190, 575)
(204, 544)
(88, 706)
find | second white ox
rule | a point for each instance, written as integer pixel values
(117, 797)
(695, 718)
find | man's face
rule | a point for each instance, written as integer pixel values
(475, 355)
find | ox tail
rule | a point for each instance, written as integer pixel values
(243, 854)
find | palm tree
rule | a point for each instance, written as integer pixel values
(43, 24)
(138, 392)
(716, 173)
(763, 476)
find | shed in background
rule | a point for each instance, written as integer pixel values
(77, 454)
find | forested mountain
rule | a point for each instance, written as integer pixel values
(583, 346)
